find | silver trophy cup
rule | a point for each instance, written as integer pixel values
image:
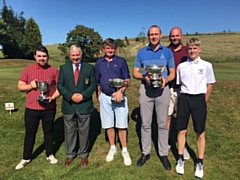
(117, 83)
(42, 87)
(155, 70)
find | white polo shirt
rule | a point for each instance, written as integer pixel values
(193, 76)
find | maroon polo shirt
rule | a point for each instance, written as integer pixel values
(179, 57)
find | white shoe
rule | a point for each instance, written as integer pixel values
(127, 159)
(199, 170)
(22, 163)
(180, 167)
(52, 159)
(186, 155)
(111, 154)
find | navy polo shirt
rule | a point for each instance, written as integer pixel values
(104, 70)
(162, 55)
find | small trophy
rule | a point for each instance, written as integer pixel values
(43, 86)
(155, 70)
(117, 83)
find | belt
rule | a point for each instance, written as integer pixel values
(107, 94)
(202, 94)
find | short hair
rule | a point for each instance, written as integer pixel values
(74, 47)
(109, 42)
(193, 42)
(41, 48)
(154, 26)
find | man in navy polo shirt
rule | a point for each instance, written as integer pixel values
(159, 97)
(110, 67)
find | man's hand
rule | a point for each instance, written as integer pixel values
(118, 96)
(147, 78)
(163, 82)
(77, 97)
(33, 83)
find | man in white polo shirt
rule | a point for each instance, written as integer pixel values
(195, 77)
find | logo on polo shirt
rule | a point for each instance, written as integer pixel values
(200, 71)
(115, 65)
(162, 56)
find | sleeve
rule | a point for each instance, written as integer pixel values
(125, 70)
(137, 62)
(171, 63)
(178, 80)
(210, 74)
(61, 86)
(97, 73)
(24, 75)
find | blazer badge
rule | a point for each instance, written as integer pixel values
(86, 80)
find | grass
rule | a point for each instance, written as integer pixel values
(222, 133)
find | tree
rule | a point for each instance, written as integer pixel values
(126, 39)
(119, 43)
(33, 37)
(3, 31)
(89, 41)
(141, 36)
(13, 44)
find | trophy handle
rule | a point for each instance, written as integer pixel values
(110, 82)
(125, 84)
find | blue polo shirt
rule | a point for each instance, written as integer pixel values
(162, 55)
(104, 70)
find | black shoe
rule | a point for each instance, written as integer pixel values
(143, 159)
(165, 162)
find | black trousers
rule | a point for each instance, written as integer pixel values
(32, 119)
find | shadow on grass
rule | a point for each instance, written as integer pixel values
(173, 141)
(135, 116)
(95, 130)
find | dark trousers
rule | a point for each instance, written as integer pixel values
(76, 127)
(32, 119)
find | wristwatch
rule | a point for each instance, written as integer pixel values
(121, 91)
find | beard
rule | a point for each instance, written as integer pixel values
(175, 44)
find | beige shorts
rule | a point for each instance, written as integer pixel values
(173, 100)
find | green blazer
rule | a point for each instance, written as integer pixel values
(86, 86)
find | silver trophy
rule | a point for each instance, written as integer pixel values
(117, 83)
(43, 86)
(155, 70)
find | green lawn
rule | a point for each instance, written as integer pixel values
(222, 133)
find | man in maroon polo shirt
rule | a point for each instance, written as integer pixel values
(180, 55)
(36, 109)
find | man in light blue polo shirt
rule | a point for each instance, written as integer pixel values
(159, 97)
(110, 67)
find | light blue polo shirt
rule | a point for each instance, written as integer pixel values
(162, 55)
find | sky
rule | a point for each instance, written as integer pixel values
(120, 18)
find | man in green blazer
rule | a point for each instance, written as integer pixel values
(76, 84)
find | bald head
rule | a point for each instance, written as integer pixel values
(175, 30)
(175, 37)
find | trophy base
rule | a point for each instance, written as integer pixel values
(113, 99)
(156, 83)
(42, 98)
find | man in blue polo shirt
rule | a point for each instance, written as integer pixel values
(113, 101)
(159, 97)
